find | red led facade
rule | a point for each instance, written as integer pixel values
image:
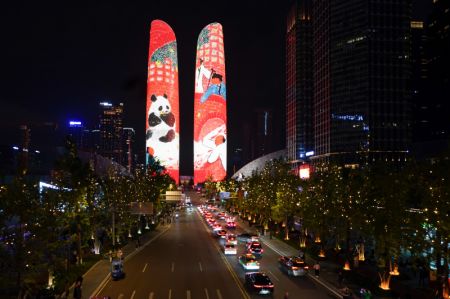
(162, 113)
(210, 110)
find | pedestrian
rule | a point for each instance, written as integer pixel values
(421, 276)
(317, 269)
(340, 277)
(77, 290)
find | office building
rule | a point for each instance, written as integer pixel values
(299, 91)
(438, 49)
(111, 131)
(361, 73)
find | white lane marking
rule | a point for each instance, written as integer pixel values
(107, 279)
(143, 270)
(188, 294)
(150, 296)
(170, 293)
(274, 276)
(173, 266)
(206, 293)
(120, 296)
(200, 265)
(316, 279)
(219, 295)
(132, 295)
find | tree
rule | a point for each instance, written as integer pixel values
(74, 179)
(19, 203)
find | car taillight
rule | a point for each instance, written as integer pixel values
(263, 286)
(294, 268)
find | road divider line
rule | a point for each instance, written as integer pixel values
(143, 270)
(102, 285)
(120, 296)
(274, 249)
(219, 295)
(206, 293)
(233, 274)
(173, 267)
(188, 294)
(170, 293)
(106, 280)
(274, 276)
(316, 279)
(200, 265)
(132, 295)
(150, 296)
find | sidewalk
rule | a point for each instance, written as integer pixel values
(95, 278)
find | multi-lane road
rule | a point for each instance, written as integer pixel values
(186, 261)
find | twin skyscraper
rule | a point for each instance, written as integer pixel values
(210, 110)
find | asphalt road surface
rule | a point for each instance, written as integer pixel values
(187, 262)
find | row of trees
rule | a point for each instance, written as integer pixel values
(45, 233)
(397, 210)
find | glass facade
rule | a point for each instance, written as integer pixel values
(362, 71)
(299, 134)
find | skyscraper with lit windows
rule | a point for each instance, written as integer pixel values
(299, 65)
(361, 73)
(111, 131)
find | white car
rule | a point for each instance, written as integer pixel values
(248, 262)
(229, 249)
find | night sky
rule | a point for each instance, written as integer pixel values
(60, 59)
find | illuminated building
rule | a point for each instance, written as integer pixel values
(162, 112)
(361, 79)
(76, 132)
(111, 129)
(210, 110)
(299, 65)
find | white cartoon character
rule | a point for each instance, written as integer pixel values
(161, 130)
(216, 142)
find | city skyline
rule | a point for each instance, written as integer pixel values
(60, 62)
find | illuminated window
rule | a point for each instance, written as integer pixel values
(417, 24)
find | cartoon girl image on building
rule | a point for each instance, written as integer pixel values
(215, 141)
(215, 83)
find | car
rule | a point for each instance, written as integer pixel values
(259, 283)
(221, 215)
(229, 249)
(217, 227)
(255, 248)
(231, 224)
(221, 233)
(246, 237)
(293, 265)
(117, 269)
(231, 239)
(248, 262)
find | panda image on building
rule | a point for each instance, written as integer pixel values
(161, 134)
